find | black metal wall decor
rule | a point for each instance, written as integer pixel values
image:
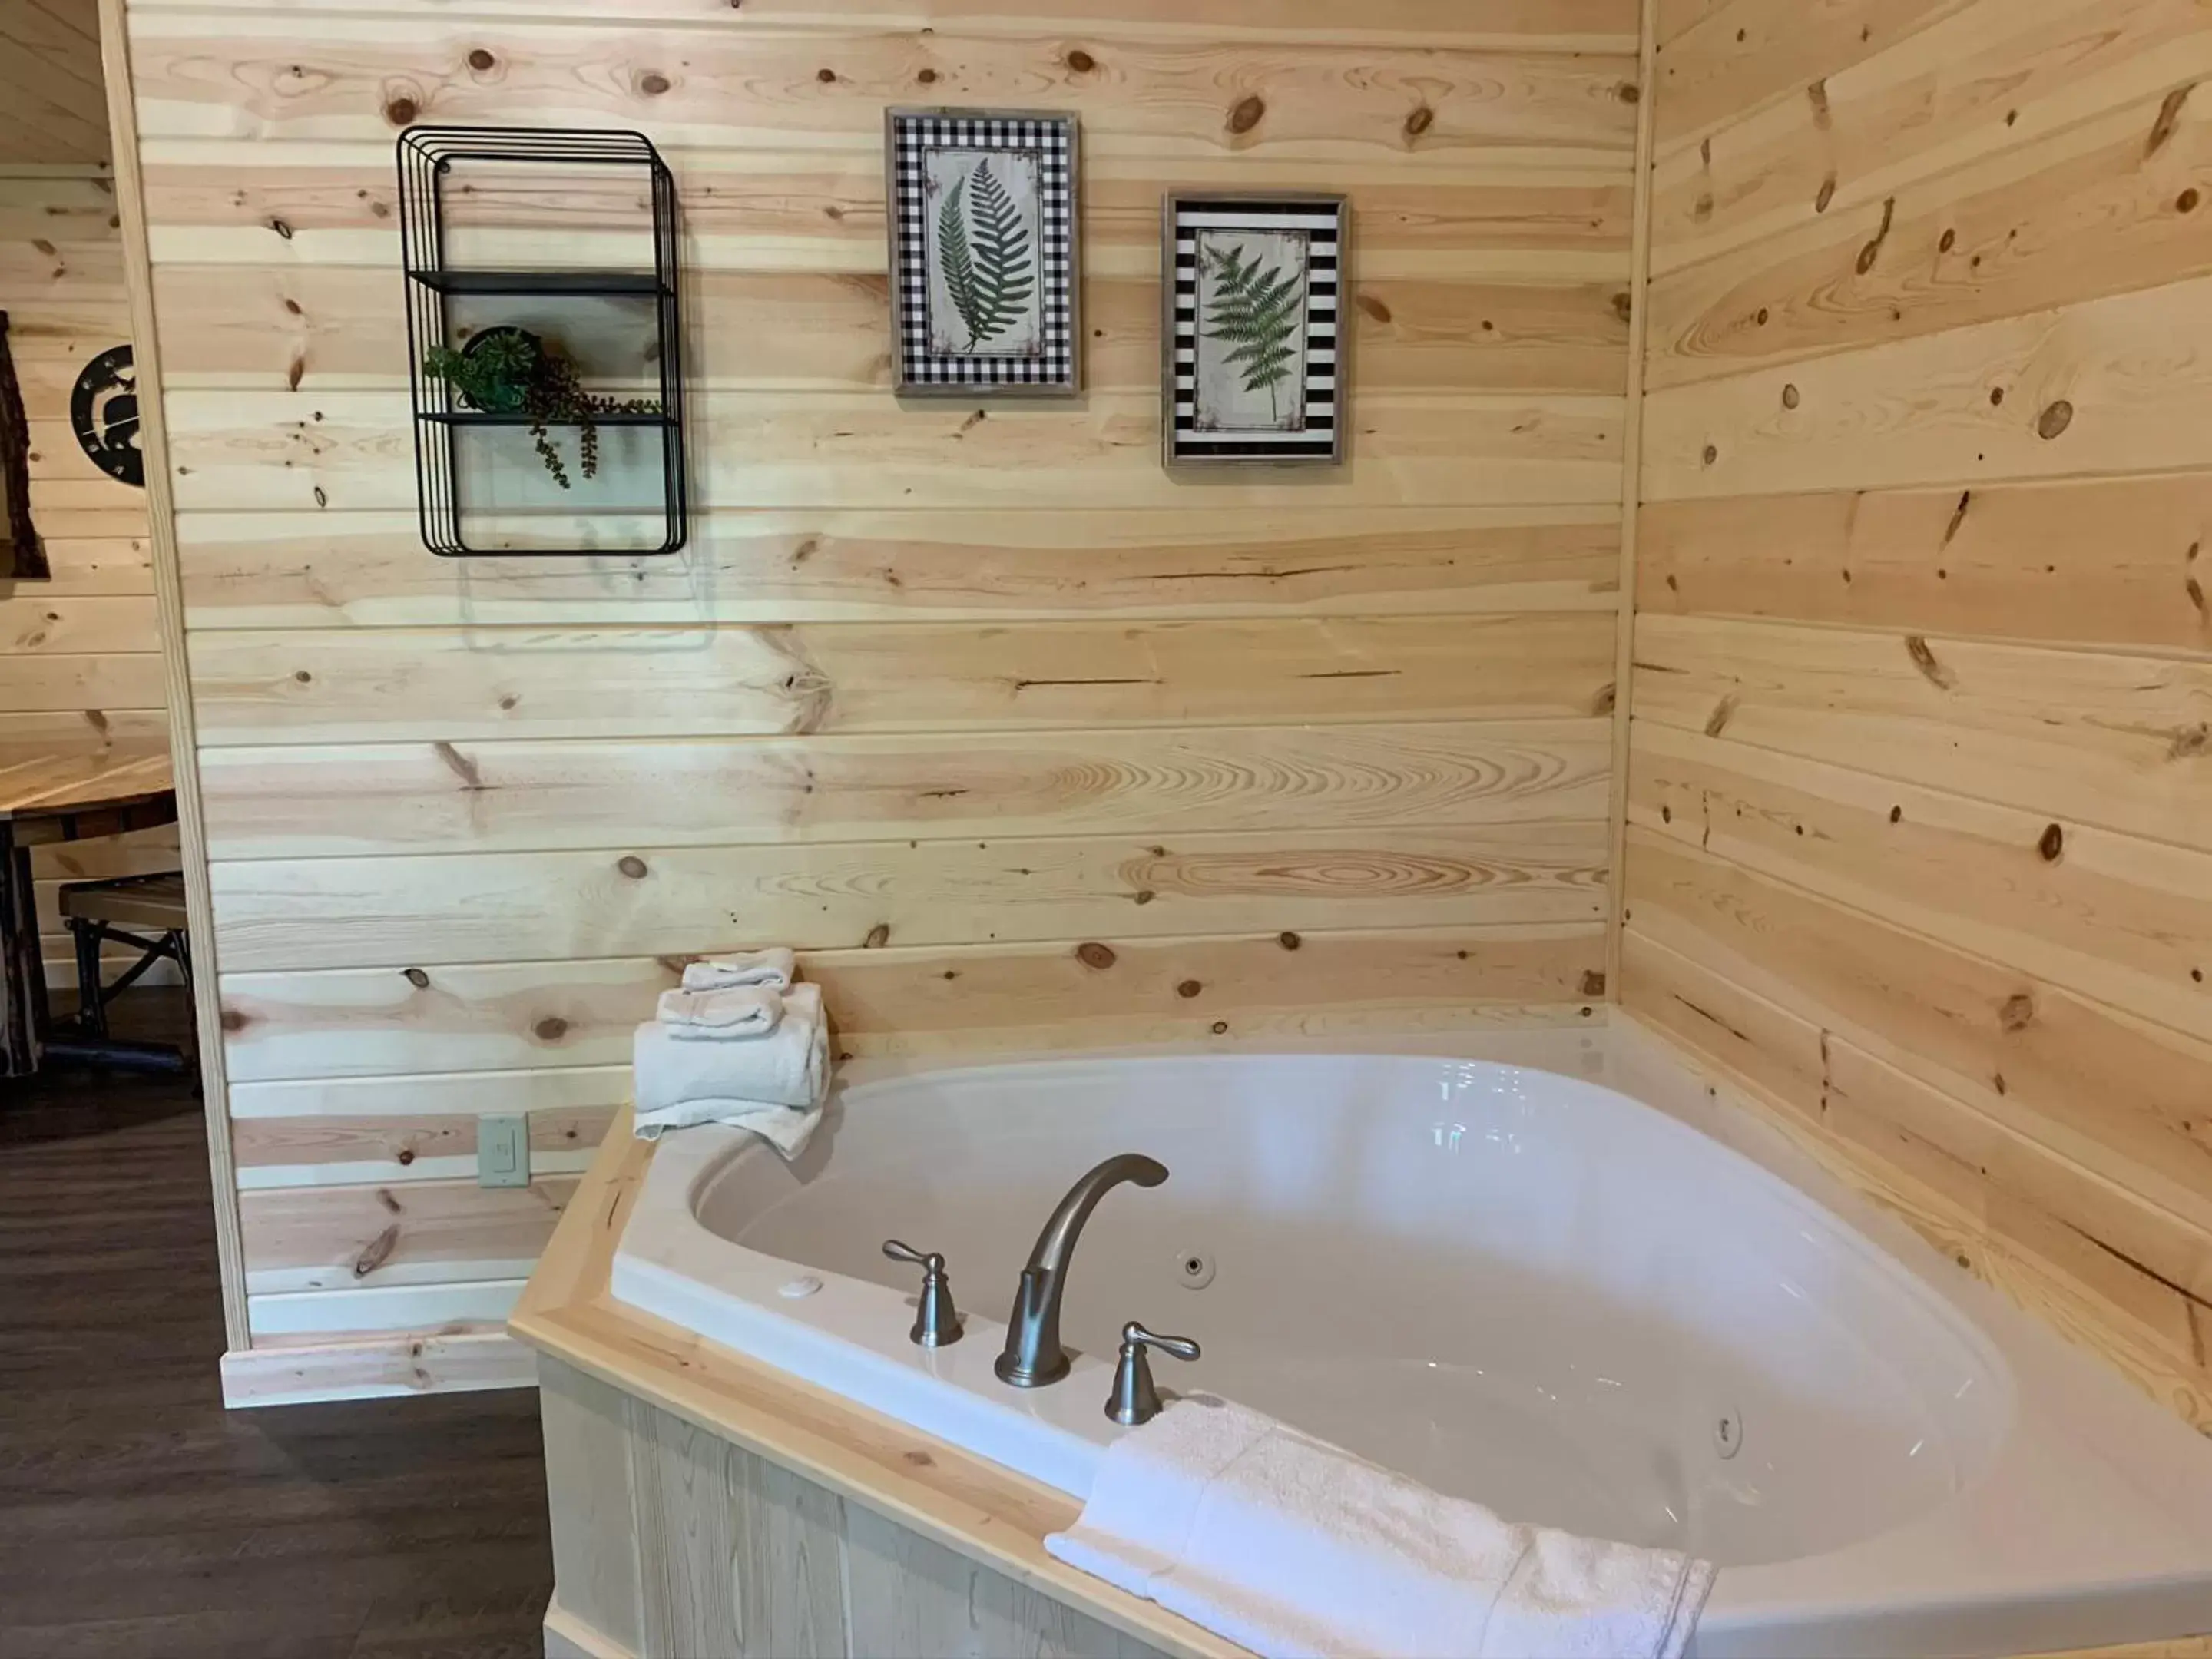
(494, 354)
(104, 415)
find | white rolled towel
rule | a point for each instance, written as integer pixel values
(734, 1011)
(773, 969)
(788, 1067)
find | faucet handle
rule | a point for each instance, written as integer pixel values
(1134, 1399)
(936, 1321)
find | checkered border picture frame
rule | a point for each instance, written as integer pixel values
(1327, 221)
(907, 133)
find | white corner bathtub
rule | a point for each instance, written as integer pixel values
(1546, 1285)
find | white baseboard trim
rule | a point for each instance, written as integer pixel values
(380, 1367)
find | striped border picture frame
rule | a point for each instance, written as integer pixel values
(1055, 369)
(1314, 436)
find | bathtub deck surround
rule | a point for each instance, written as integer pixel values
(1932, 1472)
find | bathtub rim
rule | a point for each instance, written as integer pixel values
(994, 1515)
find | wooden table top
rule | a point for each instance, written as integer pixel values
(55, 781)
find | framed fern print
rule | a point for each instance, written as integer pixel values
(1254, 372)
(983, 251)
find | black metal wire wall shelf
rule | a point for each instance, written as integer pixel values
(481, 492)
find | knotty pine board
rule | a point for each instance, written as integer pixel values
(375, 1024)
(910, 654)
(1530, 25)
(506, 797)
(2091, 209)
(370, 685)
(333, 327)
(407, 909)
(341, 451)
(221, 74)
(1513, 213)
(294, 571)
(2110, 562)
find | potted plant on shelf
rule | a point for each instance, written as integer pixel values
(511, 371)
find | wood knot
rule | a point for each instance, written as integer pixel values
(302, 676)
(826, 76)
(1711, 454)
(1094, 955)
(2187, 201)
(927, 76)
(551, 1028)
(1188, 988)
(2053, 844)
(1372, 307)
(1924, 659)
(920, 1460)
(403, 1157)
(1144, 895)
(418, 979)
(879, 936)
(1247, 114)
(401, 111)
(1219, 1028)
(1629, 93)
(2055, 419)
(1080, 61)
(631, 865)
(1827, 194)
(1791, 396)
(378, 1253)
(653, 83)
(1593, 982)
(480, 60)
(235, 1020)
(1624, 307)
(1289, 941)
(2018, 1012)
(1419, 121)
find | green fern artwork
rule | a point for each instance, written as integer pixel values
(987, 258)
(1255, 307)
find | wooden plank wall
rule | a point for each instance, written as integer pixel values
(53, 102)
(1022, 742)
(79, 659)
(1920, 840)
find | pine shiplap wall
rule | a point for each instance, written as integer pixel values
(1920, 841)
(54, 101)
(80, 658)
(1022, 742)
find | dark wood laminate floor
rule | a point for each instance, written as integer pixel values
(137, 1516)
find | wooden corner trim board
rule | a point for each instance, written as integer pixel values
(1632, 487)
(976, 1508)
(183, 742)
(568, 1637)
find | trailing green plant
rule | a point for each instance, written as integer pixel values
(510, 371)
(1257, 311)
(987, 272)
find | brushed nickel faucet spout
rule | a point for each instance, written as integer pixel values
(1033, 1356)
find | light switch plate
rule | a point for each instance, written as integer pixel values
(503, 1152)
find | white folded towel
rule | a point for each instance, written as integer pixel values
(787, 1128)
(735, 1011)
(772, 1084)
(773, 969)
(1289, 1545)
